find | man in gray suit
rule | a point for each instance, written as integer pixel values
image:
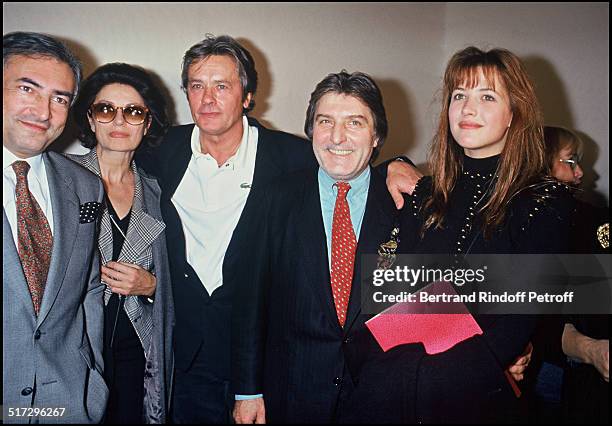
(52, 294)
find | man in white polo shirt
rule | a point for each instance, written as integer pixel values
(206, 171)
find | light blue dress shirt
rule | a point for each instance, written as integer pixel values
(356, 197)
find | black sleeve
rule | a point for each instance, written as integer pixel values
(411, 216)
(248, 326)
(382, 167)
(540, 220)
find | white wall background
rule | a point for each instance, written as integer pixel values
(405, 47)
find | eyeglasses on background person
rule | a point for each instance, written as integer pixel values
(573, 161)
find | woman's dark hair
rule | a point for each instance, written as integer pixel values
(359, 85)
(224, 45)
(129, 75)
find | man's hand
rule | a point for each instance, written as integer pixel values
(250, 411)
(588, 350)
(518, 367)
(599, 356)
(128, 279)
(401, 178)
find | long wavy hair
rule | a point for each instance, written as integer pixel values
(522, 159)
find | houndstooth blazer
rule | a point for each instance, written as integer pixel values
(138, 248)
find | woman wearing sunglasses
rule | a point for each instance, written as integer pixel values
(119, 111)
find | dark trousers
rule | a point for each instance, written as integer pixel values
(124, 364)
(586, 396)
(199, 396)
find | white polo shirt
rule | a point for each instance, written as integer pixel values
(210, 200)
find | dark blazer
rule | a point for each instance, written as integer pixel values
(203, 320)
(286, 341)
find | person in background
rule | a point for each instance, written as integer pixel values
(585, 339)
(586, 389)
(52, 315)
(563, 150)
(564, 153)
(119, 111)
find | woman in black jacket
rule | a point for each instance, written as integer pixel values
(488, 194)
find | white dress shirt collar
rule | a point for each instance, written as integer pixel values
(37, 184)
(37, 168)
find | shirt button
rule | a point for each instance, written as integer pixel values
(337, 381)
(186, 275)
(26, 391)
(37, 335)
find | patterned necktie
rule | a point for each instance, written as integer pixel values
(343, 248)
(33, 236)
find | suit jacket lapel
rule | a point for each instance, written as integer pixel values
(143, 229)
(177, 165)
(105, 238)
(266, 168)
(266, 164)
(378, 221)
(314, 246)
(11, 257)
(65, 205)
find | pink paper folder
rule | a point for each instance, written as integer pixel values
(438, 325)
